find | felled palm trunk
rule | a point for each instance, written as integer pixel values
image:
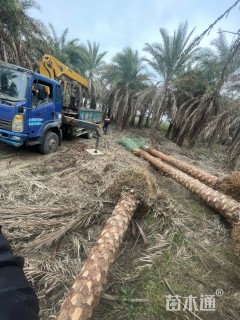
(226, 206)
(191, 170)
(85, 292)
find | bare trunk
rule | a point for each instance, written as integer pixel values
(173, 134)
(148, 120)
(226, 206)
(233, 152)
(156, 116)
(93, 103)
(191, 170)
(132, 121)
(85, 292)
(128, 117)
(16, 54)
(4, 53)
(141, 119)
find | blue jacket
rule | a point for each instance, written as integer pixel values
(17, 298)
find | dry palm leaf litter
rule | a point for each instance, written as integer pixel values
(53, 209)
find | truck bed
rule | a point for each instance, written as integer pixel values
(91, 115)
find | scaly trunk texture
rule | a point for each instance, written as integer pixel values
(226, 206)
(191, 170)
(85, 292)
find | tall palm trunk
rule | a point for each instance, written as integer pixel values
(191, 170)
(233, 152)
(141, 119)
(142, 116)
(85, 292)
(3, 53)
(148, 120)
(226, 206)
(129, 116)
(157, 113)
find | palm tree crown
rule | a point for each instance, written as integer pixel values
(21, 35)
(173, 53)
(125, 76)
(170, 58)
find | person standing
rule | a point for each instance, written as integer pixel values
(106, 124)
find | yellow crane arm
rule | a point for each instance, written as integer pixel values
(50, 67)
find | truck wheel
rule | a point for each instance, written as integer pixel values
(89, 134)
(50, 143)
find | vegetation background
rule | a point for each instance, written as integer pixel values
(198, 91)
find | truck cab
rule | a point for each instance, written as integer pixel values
(30, 108)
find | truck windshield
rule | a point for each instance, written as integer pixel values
(13, 84)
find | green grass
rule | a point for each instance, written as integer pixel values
(163, 126)
(187, 269)
(153, 287)
(152, 284)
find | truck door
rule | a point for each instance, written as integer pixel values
(57, 94)
(42, 109)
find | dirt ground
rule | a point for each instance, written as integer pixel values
(54, 207)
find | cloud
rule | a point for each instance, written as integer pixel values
(117, 24)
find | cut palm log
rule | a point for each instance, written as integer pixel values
(229, 185)
(199, 174)
(85, 292)
(226, 206)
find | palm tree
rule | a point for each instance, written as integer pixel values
(203, 116)
(211, 60)
(84, 59)
(21, 35)
(92, 63)
(169, 59)
(125, 76)
(67, 51)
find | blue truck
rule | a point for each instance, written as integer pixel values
(33, 111)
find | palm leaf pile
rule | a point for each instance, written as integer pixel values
(226, 206)
(54, 224)
(51, 222)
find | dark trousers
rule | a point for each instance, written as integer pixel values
(105, 128)
(17, 298)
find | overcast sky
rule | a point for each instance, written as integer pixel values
(116, 24)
